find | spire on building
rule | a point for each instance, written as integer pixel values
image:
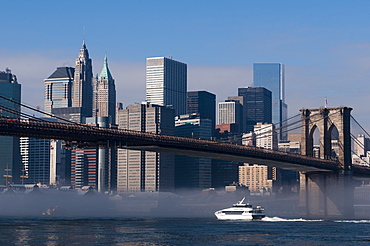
(105, 73)
(83, 51)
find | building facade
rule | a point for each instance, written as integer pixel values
(272, 77)
(82, 88)
(202, 103)
(230, 112)
(193, 172)
(255, 177)
(10, 161)
(105, 95)
(166, 83)
(35, 154)
(139, 171)
(257, 107)
(58, 89)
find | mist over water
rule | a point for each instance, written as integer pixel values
(163, 219)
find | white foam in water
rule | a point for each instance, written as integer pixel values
(353, 221)
(277, 219)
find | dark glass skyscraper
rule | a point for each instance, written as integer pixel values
(9, 146)
(271, 76)
(203, 103)
(257, 106)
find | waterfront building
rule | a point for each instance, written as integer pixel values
(143, 170)
(272, 77)
(105, 95)
(9, 146)
(255, 177)
(257, 107)
(166, 83)
(202, 103)
(192, 172)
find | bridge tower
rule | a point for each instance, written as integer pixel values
(327, 194)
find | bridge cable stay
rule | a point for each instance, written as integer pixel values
(340, 144)
(362, 147)
(273, 132)
(285, 126)
(15, 112)
(359, 144)
(42, 112)
(360, 126)
(261, 135)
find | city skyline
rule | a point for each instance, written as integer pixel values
(324, 47)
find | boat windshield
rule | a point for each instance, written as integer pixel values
(242, 205)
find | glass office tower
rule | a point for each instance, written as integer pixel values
(256, 106)
(271, 76)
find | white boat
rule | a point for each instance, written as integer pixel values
(241, 211)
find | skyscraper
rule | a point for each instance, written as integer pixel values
(9, 146)
(105, 95)
(203, 103)
(272, 77)
(143, 170)
(193, 172)
(82, 89)
(35, 155)
(58, 88)
(257, 106)
(166, 83)
(230, 112)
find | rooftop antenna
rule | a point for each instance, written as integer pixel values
(84, 33)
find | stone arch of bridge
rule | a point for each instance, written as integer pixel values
(327, 121)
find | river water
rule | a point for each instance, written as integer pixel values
(181, 231)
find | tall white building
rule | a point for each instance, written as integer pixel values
(230, 112)
(166, 83)
(266, 136)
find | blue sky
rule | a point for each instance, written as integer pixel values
(325, 45)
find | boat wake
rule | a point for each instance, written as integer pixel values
(352, 221)
(278, 219)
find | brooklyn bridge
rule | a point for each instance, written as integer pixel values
(321, 178)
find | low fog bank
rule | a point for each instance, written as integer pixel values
(184, 204)
(194, 204)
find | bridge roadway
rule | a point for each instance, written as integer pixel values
(85, 136)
